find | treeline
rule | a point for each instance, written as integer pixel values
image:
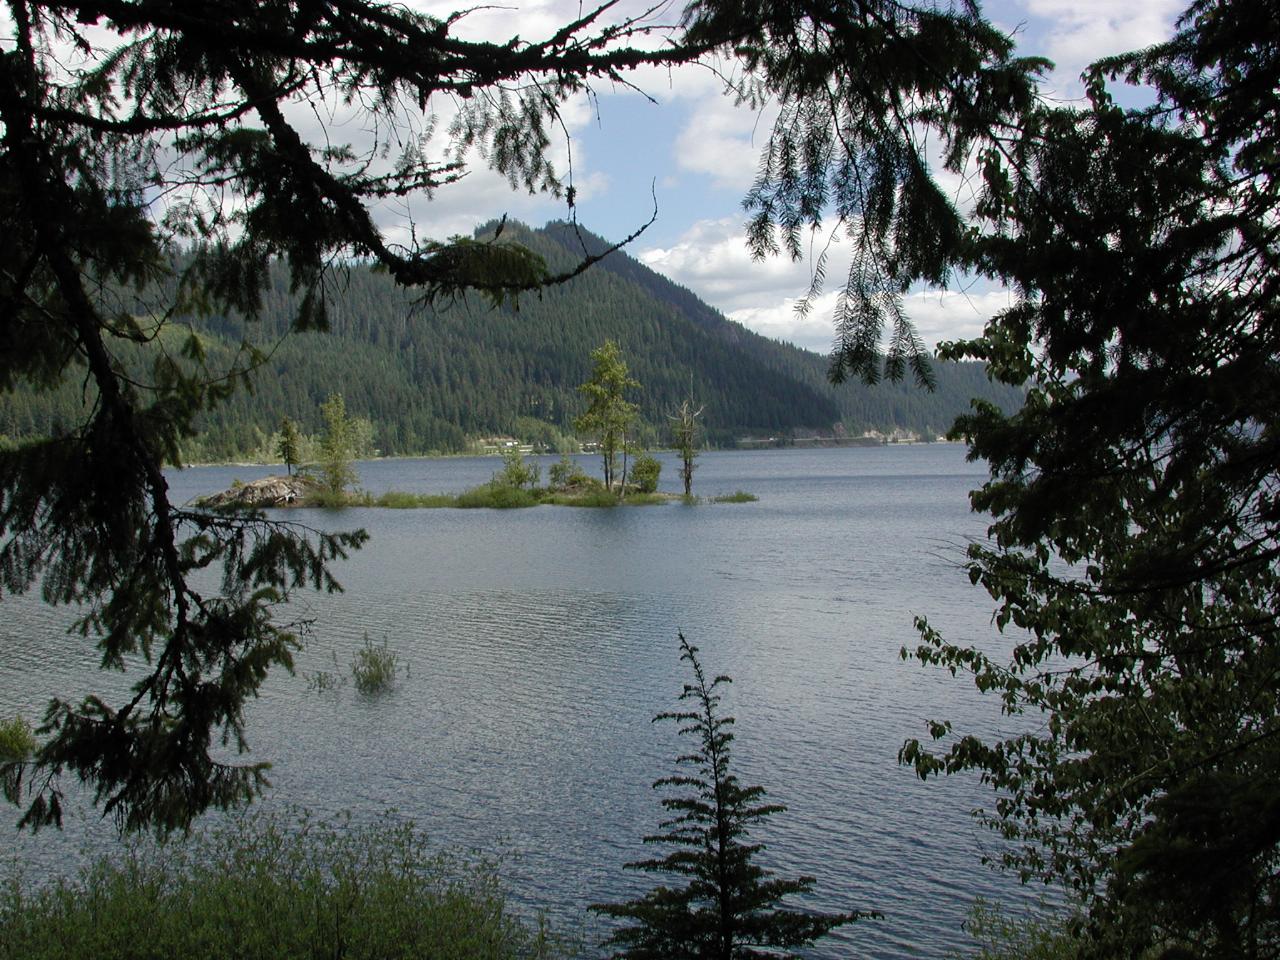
(432, 377)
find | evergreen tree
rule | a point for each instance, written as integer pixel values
(290, 444)
(1133, 551)
(408, 369)
(729, 907)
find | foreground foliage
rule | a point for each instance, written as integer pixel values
(267, 889)
(1136, 498)
(728, 906)
(1038, 936)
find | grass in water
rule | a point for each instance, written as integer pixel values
(373, 667)
(327, 681)
(397, 500)
(497, 496)
(738, 496)
(269, 888)
(17, 745)
(589, 497)
(17, 742)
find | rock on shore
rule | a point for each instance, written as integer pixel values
(267, 492)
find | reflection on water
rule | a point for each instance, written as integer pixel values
(539, 643)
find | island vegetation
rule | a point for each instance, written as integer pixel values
(332, 480)
(516, 484)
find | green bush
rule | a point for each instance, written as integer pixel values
(1038, 936)
(17, 742)
(266, 888)
(497, 497)
(644, 473)
(373, 667)
(568, 475)
(516, 473)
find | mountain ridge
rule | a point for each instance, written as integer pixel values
(435, 378)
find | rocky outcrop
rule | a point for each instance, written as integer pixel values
(267, 492)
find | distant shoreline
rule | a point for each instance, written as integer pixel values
(805, 444)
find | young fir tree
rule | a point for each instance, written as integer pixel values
(290, 445)
(729, 907)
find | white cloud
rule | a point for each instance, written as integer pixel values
(723, 142)
(937, 316)
(953, 315)
(1074, 33)
(711, 259)
(481, 195)
(534, 21)
(779, 321)
(705, 80)
(457, 209)
(1083, 30)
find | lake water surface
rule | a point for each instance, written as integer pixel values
(539, 644)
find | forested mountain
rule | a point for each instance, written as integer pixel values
(431, 377)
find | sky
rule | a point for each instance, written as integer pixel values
(684, 148)
(688, 149)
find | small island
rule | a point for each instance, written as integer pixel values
(630, 473)
(515, 485)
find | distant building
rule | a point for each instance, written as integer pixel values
(495, 446)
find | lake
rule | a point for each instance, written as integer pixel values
(539, 644)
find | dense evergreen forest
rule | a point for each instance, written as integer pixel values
(432, 378)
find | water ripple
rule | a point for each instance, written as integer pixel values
(537, 645)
